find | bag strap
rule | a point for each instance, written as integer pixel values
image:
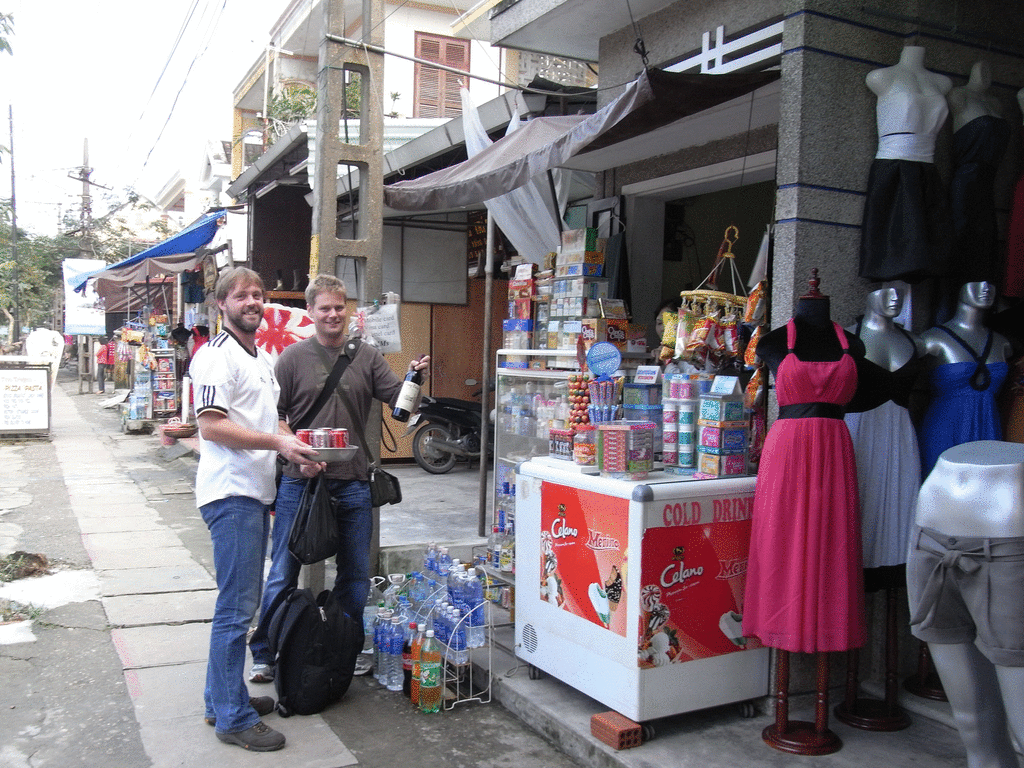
(356, 426)
(333, 377)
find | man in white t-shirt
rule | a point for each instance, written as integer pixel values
(240, 437)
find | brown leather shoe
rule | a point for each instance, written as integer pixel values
(263, 705)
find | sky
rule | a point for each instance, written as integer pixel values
(145, 82)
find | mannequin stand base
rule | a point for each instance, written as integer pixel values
(927, 687)
(872, 715)
(802, 738)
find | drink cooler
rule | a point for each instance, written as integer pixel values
(659, 531)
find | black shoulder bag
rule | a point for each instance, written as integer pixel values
(384, 487)
(314, 535)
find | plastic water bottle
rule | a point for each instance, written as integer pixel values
(457, 643)
(430, 558)
(444, 563)
(396, 640)
(454, 583)
(397, 583)
(430, 674)
(474, 592)
(369, 620)
(494, 547)
(507, 558)
(380, 645)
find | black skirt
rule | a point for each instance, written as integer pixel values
(907, 232)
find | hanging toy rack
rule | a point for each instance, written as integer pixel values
(707, 293)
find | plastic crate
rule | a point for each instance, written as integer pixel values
(615, 730)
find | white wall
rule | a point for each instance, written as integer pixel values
(399, 36)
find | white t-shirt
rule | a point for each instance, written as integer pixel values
(226, 377)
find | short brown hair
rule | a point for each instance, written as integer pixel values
(324, 284)
(229, 280)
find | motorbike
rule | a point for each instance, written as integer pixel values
(446, 430)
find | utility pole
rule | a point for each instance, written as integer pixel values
(16, 314)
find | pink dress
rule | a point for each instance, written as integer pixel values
(804, 590)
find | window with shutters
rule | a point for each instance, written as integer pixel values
(436, 93)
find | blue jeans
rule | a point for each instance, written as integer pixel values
(351, 502)
(239, 527)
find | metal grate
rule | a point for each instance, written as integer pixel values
(530, 638)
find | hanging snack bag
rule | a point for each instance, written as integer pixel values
(668, 337)
(750, 355)
(753, 396)
(754, 313)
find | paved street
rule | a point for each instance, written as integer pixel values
(109, 673)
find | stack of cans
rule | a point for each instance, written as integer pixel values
(325, 437)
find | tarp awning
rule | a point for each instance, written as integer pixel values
(655, 99)
(175, 254)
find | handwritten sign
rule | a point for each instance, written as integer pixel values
(382, 330)
(24, 399)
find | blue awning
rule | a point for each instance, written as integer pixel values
(175, 254)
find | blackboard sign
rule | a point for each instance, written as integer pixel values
(24, 399)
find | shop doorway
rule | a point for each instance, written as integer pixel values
(676, 223)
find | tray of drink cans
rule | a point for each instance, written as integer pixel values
(331, 444)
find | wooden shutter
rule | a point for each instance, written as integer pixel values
(436, 92)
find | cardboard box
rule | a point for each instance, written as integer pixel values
(521, 309)
(596, 329)
(582, 240)
(579, 270)
(715, 465)
(721, 409)
(636, 338)
(521, 289)
(721, 440)
(579, 257)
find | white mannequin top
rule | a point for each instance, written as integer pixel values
(911, 107)
(976, 490)
(884, 344)
(974, 100)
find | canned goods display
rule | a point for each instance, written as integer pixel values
(339, 438)
(305, 435)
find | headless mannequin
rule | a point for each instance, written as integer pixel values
(967, 323)
(909, 113)
(974, 100)
(815, 341)
(815, 336)
(977, 491)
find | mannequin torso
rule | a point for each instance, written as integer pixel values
(815, 337)
(971, 101)
(967, 324)
(911, 107)
(885, 345)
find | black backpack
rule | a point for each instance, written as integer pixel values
(315, 645)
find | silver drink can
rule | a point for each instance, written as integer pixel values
(321, 438)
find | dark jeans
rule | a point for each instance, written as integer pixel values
(351, 501)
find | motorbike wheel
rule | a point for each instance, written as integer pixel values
(434, 461)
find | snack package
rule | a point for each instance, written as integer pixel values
(753, 396)
(668, 337)
(754, 313)
(750, 356)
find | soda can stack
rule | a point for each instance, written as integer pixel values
(670, 433)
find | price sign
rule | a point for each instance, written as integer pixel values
(24, 399)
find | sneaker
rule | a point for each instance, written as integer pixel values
(261, 673)
(364, 664)
(259, 738)
(263, 705)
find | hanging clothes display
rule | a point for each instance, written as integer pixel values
(804, 589)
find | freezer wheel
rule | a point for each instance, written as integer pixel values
(535, 673)
(747, 709)
(648, 731)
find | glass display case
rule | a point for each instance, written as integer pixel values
(528, 399)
